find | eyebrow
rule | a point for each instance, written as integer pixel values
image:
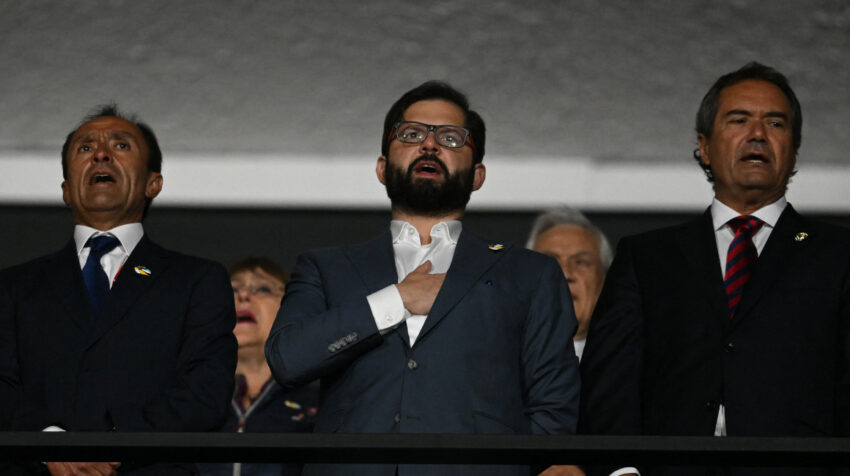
(744, 112)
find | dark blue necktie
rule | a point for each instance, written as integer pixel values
(93, 274)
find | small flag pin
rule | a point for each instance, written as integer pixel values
(497, 247)
(801, 236)
(142, 270)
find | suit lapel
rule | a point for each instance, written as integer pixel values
(374, 261)
(69, 287)
(780, 252)
(130, 285)
(697, 243)
(471, 259)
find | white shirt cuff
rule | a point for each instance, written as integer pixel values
(628, 470)
(387, 308)
(52, 428)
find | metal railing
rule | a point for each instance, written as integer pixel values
(424, 448)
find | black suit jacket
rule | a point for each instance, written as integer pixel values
(662, 353)
(160, 357)
(495, 354)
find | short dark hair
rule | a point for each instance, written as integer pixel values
(111, 110)
(437, 90)
(262, 263)
(752, 70)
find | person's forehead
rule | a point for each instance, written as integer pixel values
(753, 93)
(572, 236)
(109, 125)
(255, 274)
(436, 112)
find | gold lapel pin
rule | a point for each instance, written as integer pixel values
(142, 270)
(801, 236)
(496, 247)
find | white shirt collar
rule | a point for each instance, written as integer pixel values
(128, 235)
(769, 214)
(404, 231)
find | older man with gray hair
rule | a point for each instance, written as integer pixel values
(584, 254)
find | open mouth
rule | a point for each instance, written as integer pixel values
(101, 178)
(754, 158)
(245, 316)
(428, 166)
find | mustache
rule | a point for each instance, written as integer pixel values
(428, 158)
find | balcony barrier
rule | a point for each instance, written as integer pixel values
(424, 448)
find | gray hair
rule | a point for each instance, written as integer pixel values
(570, 216)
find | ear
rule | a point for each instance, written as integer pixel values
(480, 175)
(703, 149)
(154, 185)
(381, 169)
(66, 194)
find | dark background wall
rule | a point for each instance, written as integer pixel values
(229, 234)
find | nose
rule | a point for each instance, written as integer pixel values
(101, 154)
(430, 143)
(757, 131)
(242, 295)
(568, 272)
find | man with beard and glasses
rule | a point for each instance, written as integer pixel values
(428, 328)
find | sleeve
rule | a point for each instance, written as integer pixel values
(551, 372)
(611, 367)
(842, 387)
(387, 308)
(8, 354)
(311, 339)
(206, 364)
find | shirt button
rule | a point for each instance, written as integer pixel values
(410, 231)
(411, 364)
(388, 318)
(397, 417)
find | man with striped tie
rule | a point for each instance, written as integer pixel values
(738, 322)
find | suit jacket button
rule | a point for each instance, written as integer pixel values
(411, 364)
(730, 347)
(397, 417)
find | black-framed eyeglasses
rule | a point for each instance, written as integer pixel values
(411, 132)
(261, 290)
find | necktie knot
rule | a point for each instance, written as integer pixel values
(100, 245)
(746, 224)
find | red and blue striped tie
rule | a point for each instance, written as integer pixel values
(740, 258)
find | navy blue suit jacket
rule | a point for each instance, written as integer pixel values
(160, 357)
(662, 353)
(495, 354)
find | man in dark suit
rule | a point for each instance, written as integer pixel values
(427, 328)
(113, 332)
(738, 322)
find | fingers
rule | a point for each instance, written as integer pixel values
(423, 268)
(85, 469)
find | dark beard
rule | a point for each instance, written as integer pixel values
(427, 197)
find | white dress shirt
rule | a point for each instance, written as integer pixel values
(723, 234)
(386, 304)
(128, 237)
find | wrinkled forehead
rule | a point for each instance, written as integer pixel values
(754, 94)
(109, 127)
(436, 112)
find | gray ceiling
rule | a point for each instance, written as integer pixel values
(611, 80)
